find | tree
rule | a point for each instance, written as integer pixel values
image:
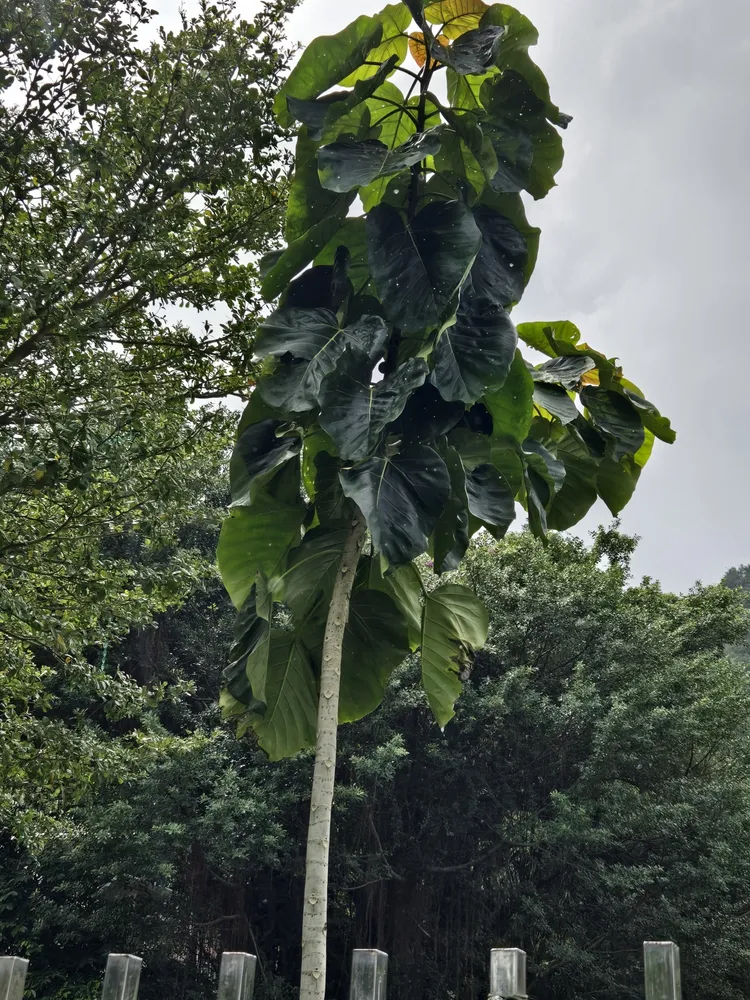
(592, 792)
(454, 427)
(738, 578)
(134, 181)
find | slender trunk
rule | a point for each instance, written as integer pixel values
(315, 913)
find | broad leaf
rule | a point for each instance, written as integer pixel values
(466, 152)
(355, 412)
(454, 624)
(512, 406)
(311, 570)
(473, 356)
(330, 502)
(499, 270)
(490, 498)
(419, 266)
(579, 490)
(617, 418)
(289, 722)
(401, 497)
(251, 635)
(565, 371)
(428, 416)
(456, 16)
(256, 538)
(474, 448)
(376, 641)
(451, 537)
(404, 585)
(395, 19)
(309, 203)
(472, 53)
(328, 60)
(616, 482)
(348, 164)
(544, 477)
(651, 418)
(260, 449)
(316, 339)
(298, 255)
(556, 401)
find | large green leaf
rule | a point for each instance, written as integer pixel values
(376, 641)
(500, 268)
(404, 585)
(616, 482)
(651, 418)
(427, 416)
(451, 536)
(256, 538)
(401, 497)
(289, 722)
(251, 636)
(328, 60)
(260, 449)
(454, 623)
(347, 164)
(544, 476)
(511, 207)
(316, 339)
(419, 266)
(472, 53)
(579, 490)
(617, 418)
(309, 203)
(466, 151)
(288, 263)
(473, 356)
(565, 371)
(512, 406)
(490, 498)
(355, 412)
(556, 401)
(395, 19)
(308, 579)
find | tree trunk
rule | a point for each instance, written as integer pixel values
(315, 912)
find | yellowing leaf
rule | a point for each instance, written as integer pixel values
(418, 48)
(456, 16)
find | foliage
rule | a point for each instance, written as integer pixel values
(391, 384)
(133, 181)
(738, 578)
(592, 792)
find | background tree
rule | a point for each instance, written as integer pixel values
(592, 792)
(134, 179)
(738, 578)
(393, 398)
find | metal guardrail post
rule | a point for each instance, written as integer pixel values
(369, 974)
(661, 966)
(507, 973)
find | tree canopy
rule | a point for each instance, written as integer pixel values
(591, 792)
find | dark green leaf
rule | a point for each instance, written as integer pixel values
(260, 449)
(402, 498)
(311, 569)
(404, 586)
(651, 418)
(309, 204)
(419, 266)
(579, 490)
(616, 482)
(428, 416)
(473, 356)
(330, 502)
(617, 418)
(290, 696)
(472, 53)
(355, 412)
(451, 536)
(512, 406)
(499, 270)
(327, 60)
(565, 371)
(556, 401)
(490, 498)
(348, 164)
(251, 633)
(316, 339)
(298, 255)
(454, 624)
(473, 448)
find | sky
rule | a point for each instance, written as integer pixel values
(645, 243)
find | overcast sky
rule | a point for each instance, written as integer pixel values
(645, 243)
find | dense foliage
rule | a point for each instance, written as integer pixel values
(593, 791)
(135, 179)
(738, 578)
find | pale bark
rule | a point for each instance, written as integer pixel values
(315, 913)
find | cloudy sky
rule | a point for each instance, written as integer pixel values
(645, 243)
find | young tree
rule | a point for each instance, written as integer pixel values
(393, 401)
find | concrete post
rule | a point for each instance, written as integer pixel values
(237, 976)
(661, 963)
(12, 977)
(507, 973)
(122, 977)
(369, 974)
